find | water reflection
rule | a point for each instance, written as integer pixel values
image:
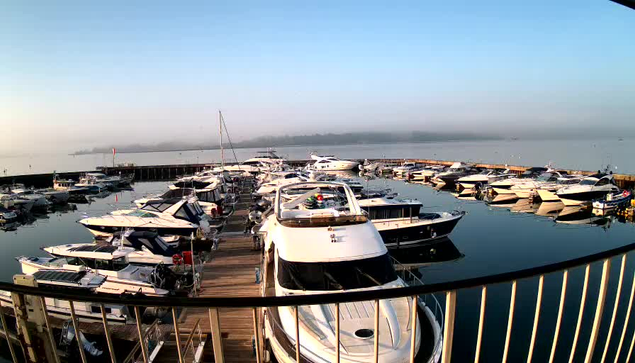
(582, 215)
(442, 250)
(549, 209)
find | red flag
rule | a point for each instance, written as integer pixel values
(114, 151)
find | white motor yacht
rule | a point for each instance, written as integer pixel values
(403, 170)
(75, 280)
(425, 174)
(547, 191)
(209, 199)
(178, 216)
(452, 174)
(401, 223)
(317, 245)
(504, 186)
(326, 163)
(39, 200)
(482, 179)
(590, 188)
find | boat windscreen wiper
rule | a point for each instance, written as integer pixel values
(333, 281)
(365, 274)
(297, 282)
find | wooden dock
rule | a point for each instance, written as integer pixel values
(230, 273)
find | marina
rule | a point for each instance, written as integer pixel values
(231, 263)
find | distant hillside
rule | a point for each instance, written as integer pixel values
(302, 140)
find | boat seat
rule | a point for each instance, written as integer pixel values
(310, 213)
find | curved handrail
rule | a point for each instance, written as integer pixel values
(335, 297)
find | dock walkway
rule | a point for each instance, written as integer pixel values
(230, 273)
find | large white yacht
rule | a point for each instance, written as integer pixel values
(330, 162)
(318, 240)
(209, 199)
(481, 179)
(592, 187)
(401, 223)
(178, 216)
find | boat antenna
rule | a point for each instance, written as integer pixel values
(220, 133)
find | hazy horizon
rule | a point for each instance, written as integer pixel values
(78, 75)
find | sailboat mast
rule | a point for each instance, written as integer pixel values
(220, 132)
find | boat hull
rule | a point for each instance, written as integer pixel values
(401, 234)
(106, 231)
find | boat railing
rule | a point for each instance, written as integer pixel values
(428, 300)
(615, 344)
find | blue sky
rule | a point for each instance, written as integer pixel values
(85, 73)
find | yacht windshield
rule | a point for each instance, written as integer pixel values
(588, 182)
(342, 275)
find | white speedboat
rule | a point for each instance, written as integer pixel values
(482, 179)
(74, 281)
(319, 245)
(547, 191)
(209, 199)
(452, 174)
(7, 216)
(425, 174)
(39, 200)
(140, 248)
(403, 170)
(331, 163)
(504, 186)
(401, 223)
(593, 187)
(177, 216)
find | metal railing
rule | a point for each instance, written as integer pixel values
(28, 302)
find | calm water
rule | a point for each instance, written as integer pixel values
(568, 154)
(491, 240)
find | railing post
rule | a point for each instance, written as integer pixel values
(481, 323)
(618, 293)
(413, 334)
(556, 333)
(217, 339)
(76, 327)
(337, 332)
(599, 309)
(52, 345)
(104, 320)
(448, 333)
(376, 340)
(581, 312)
(626, 319)
(534, 330)
(177, 335)
(257, 334)
(6, 334)
(144, 348)
(510, 321)
(297, 333)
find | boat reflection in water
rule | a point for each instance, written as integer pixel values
(441, 250)
(525, 206)
(549, 209)
(582, 215)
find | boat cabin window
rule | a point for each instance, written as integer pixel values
(141, 214)
(186, 213)
(253, 162)
(392, 212)
(602, 181)
(342, 275)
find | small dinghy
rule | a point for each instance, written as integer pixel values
(613, 201)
